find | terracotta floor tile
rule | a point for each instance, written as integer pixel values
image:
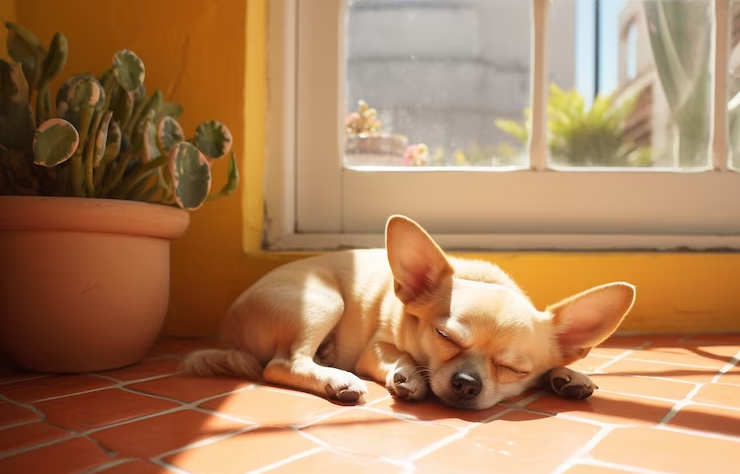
(10, 413)
(434, 412)
(268, 407)
(589, 469)
(323, 462)
(732, 377)
(161, 434)
(667, 451)
(719, 394)
(100, 408)
(29, 435)
(643, 386)
(366, 433)
(656, 369)
(47, 387)
(229, 456)
(705, 356)
(517, 443)
(606, 407)
(709, 419)
(136, 466)
(591, 362)
(65, 457)
(190, 389)
(143, 370)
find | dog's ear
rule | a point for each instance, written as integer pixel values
(418, 264)
(585, 320)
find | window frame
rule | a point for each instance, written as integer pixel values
(313, 203)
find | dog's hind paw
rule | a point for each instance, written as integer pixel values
(350, 391)
(568, 383)
(407, 383)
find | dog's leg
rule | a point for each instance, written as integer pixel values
(303, 373)
(386, 364)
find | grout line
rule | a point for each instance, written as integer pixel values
(323, 417)
(118, 384)
(621, 356)
(108, 465)
(664, 379)
(20, 423)
(674, 364)
(25, 449)
(584, 450)
(285, 461)
(24, 379)
(688, 399)
(621, 467)
(700, 433)
(453, 437)
(205, 442)
(169, 467)
(677, 407)
(727, 367)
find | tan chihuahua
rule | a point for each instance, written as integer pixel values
(407, 316)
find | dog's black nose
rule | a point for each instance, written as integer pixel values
(465, 386)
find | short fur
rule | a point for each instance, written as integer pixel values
(409, 317)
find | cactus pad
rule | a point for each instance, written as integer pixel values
(54, 142)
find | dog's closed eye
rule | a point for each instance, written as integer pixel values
(509, 370)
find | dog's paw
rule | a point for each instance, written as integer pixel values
(406, 383)
(568, 383)
(347, 388)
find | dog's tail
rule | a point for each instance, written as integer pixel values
(222, 362)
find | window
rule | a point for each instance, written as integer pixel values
(504, 124)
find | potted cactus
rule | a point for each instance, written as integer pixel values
(93, 188)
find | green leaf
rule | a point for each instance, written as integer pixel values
(55, 59)
(514, 129)
(191, 176)
(169, 133)
(54, 142)
(85, 92)
(232, 182)
(129, 70)
(213, 139)
(168, 109)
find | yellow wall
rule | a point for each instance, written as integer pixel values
(196, 52)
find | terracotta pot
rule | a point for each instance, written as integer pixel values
(84, 283)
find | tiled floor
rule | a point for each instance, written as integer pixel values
(665, 405)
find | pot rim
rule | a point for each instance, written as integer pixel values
(75, 214)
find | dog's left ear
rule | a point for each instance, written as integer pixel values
(585, 320)
(418, 264)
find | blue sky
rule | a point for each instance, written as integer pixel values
(585, 44)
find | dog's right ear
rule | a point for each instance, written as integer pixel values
(418, 264)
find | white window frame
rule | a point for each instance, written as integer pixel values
(313, 203)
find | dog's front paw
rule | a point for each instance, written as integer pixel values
(347, 388)
(406, 383)
(568, 383)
